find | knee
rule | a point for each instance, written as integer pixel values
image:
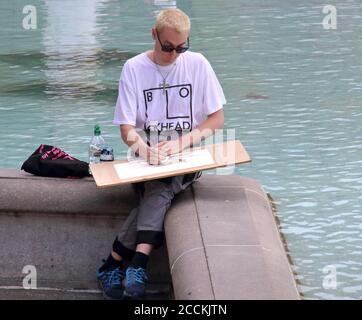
(158, 188)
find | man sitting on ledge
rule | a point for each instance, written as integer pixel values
(159, 90)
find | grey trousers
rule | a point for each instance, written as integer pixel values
(145, 222)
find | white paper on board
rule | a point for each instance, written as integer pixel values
(187, 160)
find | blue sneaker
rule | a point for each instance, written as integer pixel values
(110, 282)
(135, 283)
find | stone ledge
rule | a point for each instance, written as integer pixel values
(23, 192)
(223, 243)
(64, 228)
(222, 238)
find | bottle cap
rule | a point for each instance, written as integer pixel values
(97, 130)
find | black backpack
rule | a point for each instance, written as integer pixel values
(49, 161)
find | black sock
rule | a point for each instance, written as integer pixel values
(139, 260)
(111, 264)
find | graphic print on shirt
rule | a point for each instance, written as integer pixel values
(171, 108)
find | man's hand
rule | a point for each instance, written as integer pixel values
(170, 147)
(155, 155)
(193, 138)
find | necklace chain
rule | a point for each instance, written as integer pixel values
(164, 84)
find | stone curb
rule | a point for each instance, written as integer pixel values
(223, 243)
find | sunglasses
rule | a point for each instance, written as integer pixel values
(166, 48)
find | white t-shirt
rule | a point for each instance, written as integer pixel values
(192, 92)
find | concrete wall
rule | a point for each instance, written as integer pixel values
(222, 239)
(225, 244)
(64, 228)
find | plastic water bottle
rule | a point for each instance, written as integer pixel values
(96, 145)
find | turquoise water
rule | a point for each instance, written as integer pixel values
(294, 94)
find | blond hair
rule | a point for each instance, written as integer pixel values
(173, 18)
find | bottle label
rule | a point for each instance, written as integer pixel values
(95, 150)
(107, 154)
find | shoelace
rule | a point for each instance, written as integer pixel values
(136, 275)
(115, 277)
